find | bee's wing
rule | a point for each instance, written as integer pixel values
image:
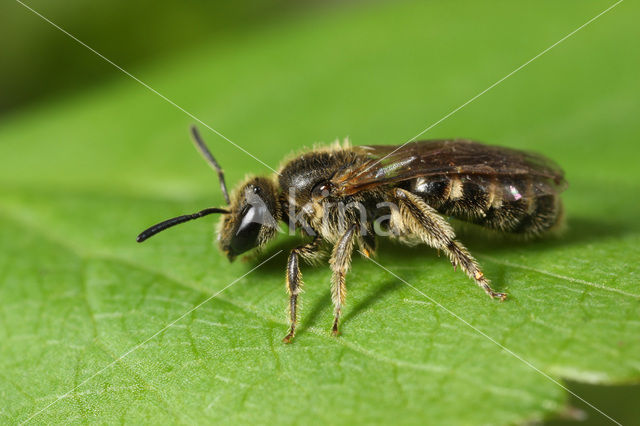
(391, 164)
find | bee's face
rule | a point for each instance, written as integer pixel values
(253, 219)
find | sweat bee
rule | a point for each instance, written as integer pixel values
(347, 195)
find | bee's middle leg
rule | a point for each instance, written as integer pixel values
(340, 262)
(294, 280)
(423, 220)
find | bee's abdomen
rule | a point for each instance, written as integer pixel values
(508, 204)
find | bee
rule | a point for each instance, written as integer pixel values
(344, 196)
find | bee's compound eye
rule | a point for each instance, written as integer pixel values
(321, 190)
(256, 190)
(246, 237)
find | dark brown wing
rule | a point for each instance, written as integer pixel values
(390, 164)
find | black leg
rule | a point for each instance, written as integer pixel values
(294, 280)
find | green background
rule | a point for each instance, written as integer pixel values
(87, 166)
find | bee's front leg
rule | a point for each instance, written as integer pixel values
(340, 262)
(294, 280)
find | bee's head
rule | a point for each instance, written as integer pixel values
(253, 217)
(250, 220)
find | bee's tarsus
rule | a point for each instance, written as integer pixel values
(501, 296)
(289, 337)
(334, 330)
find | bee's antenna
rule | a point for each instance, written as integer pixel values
(209, 158)
(176, 221)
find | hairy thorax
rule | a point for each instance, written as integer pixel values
(308, 206)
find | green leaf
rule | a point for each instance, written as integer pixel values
(81, 302)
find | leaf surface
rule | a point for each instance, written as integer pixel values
(82, 176)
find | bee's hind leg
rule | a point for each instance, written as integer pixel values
(419, 218)
(294, 280)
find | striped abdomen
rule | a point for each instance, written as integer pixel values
(505, 203)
